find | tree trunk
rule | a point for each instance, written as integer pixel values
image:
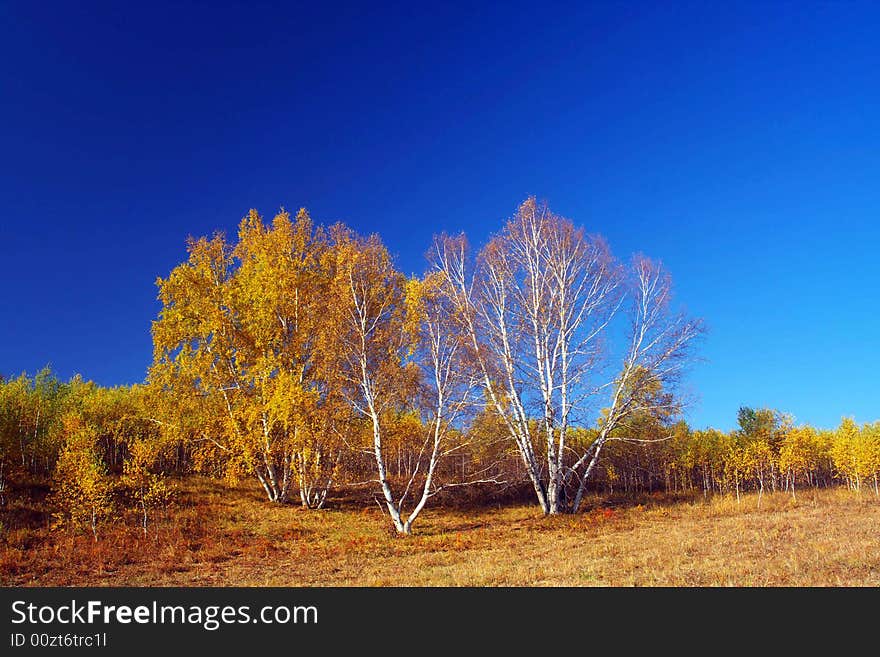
(393, 511)
(144, 509)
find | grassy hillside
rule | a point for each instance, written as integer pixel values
(229, 536)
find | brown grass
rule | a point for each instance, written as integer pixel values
(228, 536)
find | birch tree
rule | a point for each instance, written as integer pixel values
(800, 454)
(537, 307)
(82, 489)
(856, 454)
(438, 348)
(398, 351)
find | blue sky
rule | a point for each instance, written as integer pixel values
(738, 144)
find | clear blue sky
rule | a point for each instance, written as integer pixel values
(740, 145)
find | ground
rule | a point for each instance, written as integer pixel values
(228, 536)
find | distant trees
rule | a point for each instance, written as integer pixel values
(856, 454)
(769, 453)
(95, 446)
(29, 421)
(803, 455)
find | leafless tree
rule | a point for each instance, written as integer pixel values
(537, 308)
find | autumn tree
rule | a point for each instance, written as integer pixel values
(147, 484)
(537, 308)
(871, 442)
(8, 431)
(802, 455)
(705, 454)
(30, 412)
(438, 349)
(856, 454)
(763, 433)
(737, 466)
(844, 453)
(372, 344)
(82, 488)
(241, 327)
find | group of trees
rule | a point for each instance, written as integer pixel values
(301, 357)
(103, 450)
(766, 452)
(299, 339)
(95, 446)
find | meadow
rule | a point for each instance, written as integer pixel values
(219, 535)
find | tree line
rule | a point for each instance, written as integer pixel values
(298, 355)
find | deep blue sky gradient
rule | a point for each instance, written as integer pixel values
(739, 144)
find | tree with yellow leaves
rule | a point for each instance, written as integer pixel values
(871, 440)
(846, 453)
(146, 483)
(242, 326)
(83, 491)
(856, 454)
(802, 454)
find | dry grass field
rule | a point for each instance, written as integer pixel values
(220, 536)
